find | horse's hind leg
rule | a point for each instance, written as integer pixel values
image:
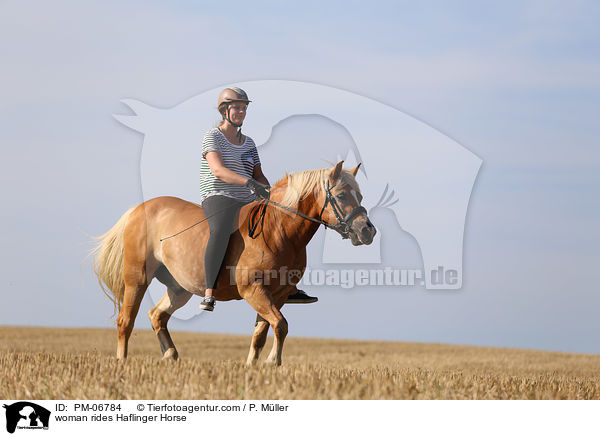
(160, 314)
(261, 328)
(132, 298)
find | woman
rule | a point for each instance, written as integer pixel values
(230, 177)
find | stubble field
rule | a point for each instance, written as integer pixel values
(44, 363)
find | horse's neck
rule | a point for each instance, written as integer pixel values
(298, 230)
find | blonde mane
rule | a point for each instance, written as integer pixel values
(302, 183)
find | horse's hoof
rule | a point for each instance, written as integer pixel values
(171, 355)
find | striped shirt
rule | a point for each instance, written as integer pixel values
(240, 159)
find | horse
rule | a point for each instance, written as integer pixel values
(164, 238)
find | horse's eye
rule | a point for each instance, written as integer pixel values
(341, 196)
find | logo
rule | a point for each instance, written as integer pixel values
(416, 182)
(26, 415)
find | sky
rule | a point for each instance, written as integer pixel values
(516, 83)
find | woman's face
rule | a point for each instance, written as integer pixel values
(237, 112)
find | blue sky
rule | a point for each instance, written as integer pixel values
(514, 82)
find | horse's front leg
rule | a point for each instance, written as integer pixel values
(280, 330)
(261, 328)
(277, 348)
(260, 299)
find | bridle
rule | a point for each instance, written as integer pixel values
(343, 226)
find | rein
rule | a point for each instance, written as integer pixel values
(257, 216)
(194, 225)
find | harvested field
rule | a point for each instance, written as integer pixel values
(49, 363)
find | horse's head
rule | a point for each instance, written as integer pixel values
(342, 205)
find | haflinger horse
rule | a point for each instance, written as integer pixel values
(147, 242)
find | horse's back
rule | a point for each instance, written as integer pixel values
(154, 220)
(160, 204)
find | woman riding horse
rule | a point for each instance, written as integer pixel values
(230, 177)
(137, 249)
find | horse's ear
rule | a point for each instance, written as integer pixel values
(354, 170)
(336, 172)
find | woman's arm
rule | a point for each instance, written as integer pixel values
(220, 171)
(259, 176)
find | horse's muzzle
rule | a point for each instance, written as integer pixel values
(362, 231)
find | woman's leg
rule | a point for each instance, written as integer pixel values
(221, 213)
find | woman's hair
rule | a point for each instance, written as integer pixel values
(220, 122)
(222, 111)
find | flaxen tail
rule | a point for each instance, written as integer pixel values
(108, 261)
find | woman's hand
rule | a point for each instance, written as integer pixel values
(260, 190)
